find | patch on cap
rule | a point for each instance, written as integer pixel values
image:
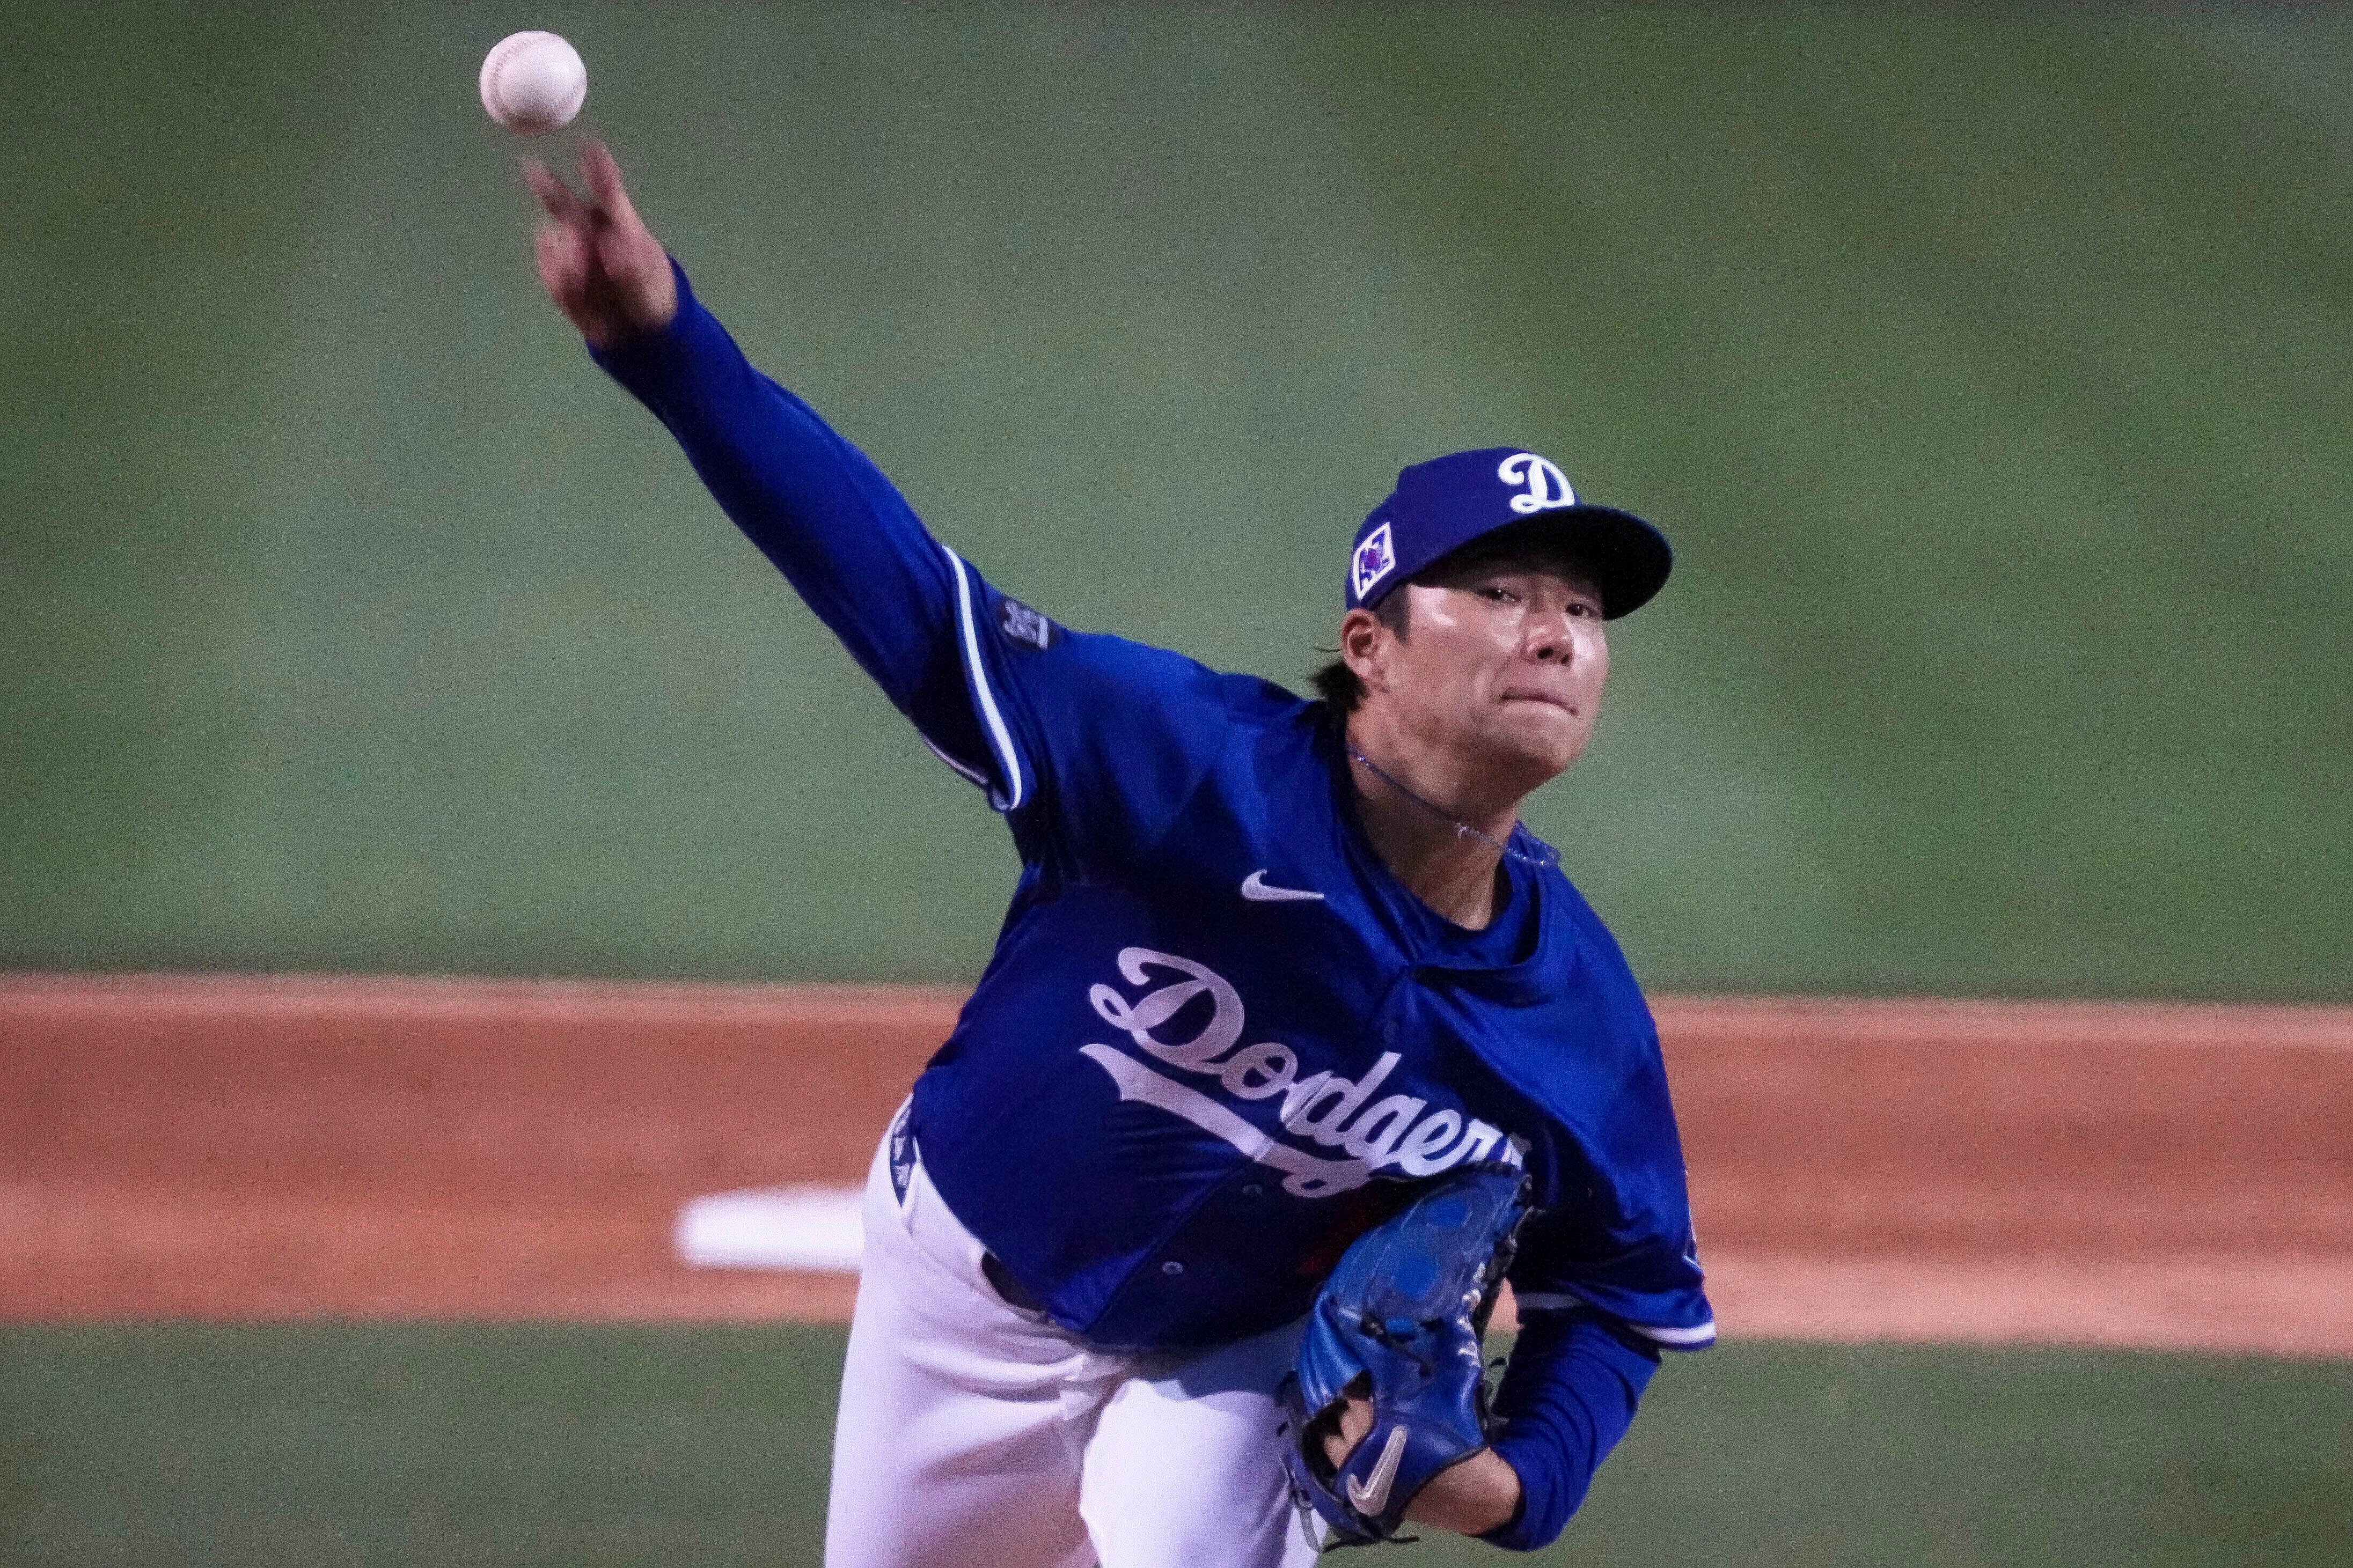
(1376, 560)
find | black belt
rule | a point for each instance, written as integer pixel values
(1000, 1279)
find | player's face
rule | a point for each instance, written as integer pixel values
(1503, 664)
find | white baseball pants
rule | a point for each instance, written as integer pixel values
(973, 1434)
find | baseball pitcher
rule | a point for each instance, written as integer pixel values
(1295, 1042)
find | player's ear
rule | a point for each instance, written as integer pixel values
(1364, 647)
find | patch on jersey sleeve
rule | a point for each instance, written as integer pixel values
(1022, 623)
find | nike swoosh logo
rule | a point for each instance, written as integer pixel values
(1369, 1500)
(1255, 890)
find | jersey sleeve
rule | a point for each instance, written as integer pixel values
(825, 516)
(1095, 744)
(1569, 1396)
(1618, 1240)
(1649, 1282)
(1088, 743)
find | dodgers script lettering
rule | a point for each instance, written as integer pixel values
(1321, 1111)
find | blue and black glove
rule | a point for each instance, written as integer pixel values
(1398, 1324)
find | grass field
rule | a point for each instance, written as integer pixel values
(421, 1444)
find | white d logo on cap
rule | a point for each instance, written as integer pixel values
(1547, 486)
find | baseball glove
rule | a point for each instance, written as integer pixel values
(1398, 1323)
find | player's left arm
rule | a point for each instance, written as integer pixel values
(1569, 1394)
(1603, 1286)
(1605, 1280)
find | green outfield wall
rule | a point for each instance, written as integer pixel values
(1989, 369)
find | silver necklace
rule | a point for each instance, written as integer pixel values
(1549, 857)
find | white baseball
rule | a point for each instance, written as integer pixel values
(533, 82)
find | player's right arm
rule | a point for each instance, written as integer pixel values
(1089, 744)
(812, 502)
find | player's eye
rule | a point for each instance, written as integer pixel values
(1496, 593)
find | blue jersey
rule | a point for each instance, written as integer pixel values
(1216, 1031)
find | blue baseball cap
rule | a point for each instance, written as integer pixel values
(1442, 505)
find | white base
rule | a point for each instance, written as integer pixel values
(806, 1227)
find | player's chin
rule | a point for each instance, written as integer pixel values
(1538, 735)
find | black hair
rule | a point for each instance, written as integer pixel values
(1335, 683)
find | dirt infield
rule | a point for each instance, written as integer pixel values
(273, 1148)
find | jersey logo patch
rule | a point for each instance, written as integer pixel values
(1321, 1110)
(1255, 888)
(1375, 559)
(902, 1153)
(1022, 623)
(1547, 486)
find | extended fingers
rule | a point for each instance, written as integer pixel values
(597, 261)
(554, 194)
(603, 177)
(565, 265)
